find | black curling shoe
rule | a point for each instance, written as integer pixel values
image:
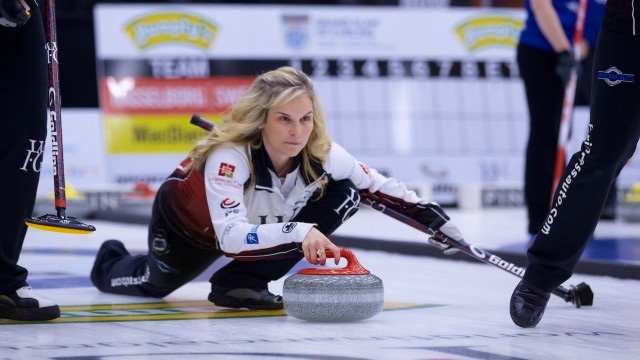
(527, 305)
(245, 298)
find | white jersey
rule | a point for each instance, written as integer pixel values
(260, 217)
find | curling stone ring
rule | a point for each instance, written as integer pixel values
(319, 252)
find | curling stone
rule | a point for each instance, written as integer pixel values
(333, 295)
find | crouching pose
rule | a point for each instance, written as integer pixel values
(266, 187)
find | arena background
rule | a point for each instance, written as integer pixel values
(425, 90)
(428, 94)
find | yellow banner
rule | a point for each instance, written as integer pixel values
(127, 134)
(173, 27)
(489, 31)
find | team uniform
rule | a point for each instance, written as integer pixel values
(236, 206)
(23, 100)
(545, 94)
(612, 139)
(23, 106)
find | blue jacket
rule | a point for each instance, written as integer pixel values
(567, 12)
(595, 13)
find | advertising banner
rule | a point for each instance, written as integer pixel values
(424, 95)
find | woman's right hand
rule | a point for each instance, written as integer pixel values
(314, 246)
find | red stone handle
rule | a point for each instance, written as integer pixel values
(353, 266)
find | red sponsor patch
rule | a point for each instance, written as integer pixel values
(226, 170)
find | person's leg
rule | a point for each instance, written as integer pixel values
(583, 97)
(545, 95)
(611, 204)
(585, 183)
(338, 203)
(23, 102)
(172, 259)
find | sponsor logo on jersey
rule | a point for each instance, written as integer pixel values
(229, 204)
(252, 236)
(226, 170)
(230, 212)
(171, 28)
(225, 182)
(33, 160)
(613, 76)
(349, 206)
(288, 227)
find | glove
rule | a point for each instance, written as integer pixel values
(435, 218)
(430, 215)
(452, 232)
(564, 66)
(14, 13)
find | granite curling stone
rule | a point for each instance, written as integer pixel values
(333, 295)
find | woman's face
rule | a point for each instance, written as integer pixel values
(287, 129)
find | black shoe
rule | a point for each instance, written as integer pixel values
(527, 305)
(110, 249)
(23, 304)
(245, 298)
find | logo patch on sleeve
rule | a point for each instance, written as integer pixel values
(229, 204)
(288, 227)
(226, 170)
(252, 236)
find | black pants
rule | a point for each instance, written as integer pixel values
(23, 119)
(545, 94)
(173, 260)
(584, 185)
(583, 98)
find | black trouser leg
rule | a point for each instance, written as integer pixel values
(171, 262)
(339, 202)
(23, 118)
(585, 183)
(545, 95)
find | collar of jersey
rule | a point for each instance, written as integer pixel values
(261, 166)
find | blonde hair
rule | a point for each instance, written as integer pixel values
(243, 124)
